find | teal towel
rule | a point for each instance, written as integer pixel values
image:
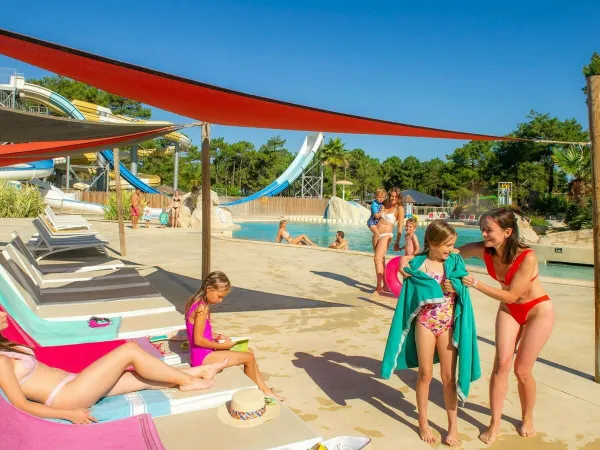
(420, 289)
(47, 332)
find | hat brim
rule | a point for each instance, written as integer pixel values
(224, 416)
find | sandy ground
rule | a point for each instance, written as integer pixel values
(580, 238)
(319, 334)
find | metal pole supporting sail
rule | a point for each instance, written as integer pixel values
(206, 200)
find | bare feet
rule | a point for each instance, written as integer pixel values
(527, 429)
(451, 439)
(197, 384)
(426, 435)
(270, 393)
(211, 370)
(489, 435)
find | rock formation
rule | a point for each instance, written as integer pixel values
(191, 211)
(344, 211)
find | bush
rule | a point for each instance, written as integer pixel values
(22, 201)
(578, 217)
(548, 203)
(110, 212)
(537, 221)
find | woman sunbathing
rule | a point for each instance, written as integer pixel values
(52, 393)
(284, 234)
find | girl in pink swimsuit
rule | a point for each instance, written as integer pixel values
(207, 347)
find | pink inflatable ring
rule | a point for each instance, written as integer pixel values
(391, 275)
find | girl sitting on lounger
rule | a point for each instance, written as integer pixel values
(50, 393)
(207, 347)
(284, 234)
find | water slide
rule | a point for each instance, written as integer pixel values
(305, 156)
(27, 171)
(59, 104)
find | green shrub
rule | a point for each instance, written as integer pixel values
(548, 203)
(578, 217)
(20, 201)
(110, 212)
(537, 221)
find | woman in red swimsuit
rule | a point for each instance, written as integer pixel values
(525, 315)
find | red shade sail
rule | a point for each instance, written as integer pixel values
(200, 100)
(37, 151)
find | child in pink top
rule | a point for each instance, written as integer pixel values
(411, 243)
(207, 347)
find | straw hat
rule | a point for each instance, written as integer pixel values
(248, 408)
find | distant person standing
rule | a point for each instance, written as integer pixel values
(164, 218)
(175, 208)
(136, 201)
(340, 243)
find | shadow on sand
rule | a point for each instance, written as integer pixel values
(341, 383)
(346, 280)
(240, 299)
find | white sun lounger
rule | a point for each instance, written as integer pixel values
(116, 277)
(66, 222)
(132, 326)
(46, 244)
(81, 231)
(66, 308)
(81, 292)
(91, 264)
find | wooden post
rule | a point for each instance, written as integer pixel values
(593, 92)
(122, 248)
(206, 200)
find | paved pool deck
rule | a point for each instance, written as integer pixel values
(319, 334)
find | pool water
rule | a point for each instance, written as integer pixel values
(359, 238)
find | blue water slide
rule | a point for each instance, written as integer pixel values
(304, 157)
(106, 156)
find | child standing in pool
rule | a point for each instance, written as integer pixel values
(207, 347)
(411, 242)
(376, 208)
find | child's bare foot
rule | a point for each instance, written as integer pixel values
(489, 435)
(451, 439)
(197, 384)
(211, 370)
(426, 434)
(270, 393)
(527, 429)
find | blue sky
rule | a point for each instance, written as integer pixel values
(468, 66)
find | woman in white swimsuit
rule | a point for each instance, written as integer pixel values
(284, 234)
(392, 214)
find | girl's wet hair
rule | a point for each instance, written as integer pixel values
(505, 219)
(214, 281)
(437, 232)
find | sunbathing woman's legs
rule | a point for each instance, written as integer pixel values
(380, 250)
(301, 238)
(102, 376)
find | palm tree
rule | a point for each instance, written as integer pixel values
(334, 155)
(576, 164)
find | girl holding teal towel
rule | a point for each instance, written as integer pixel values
(434, 322)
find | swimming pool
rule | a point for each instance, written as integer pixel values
(359, 238)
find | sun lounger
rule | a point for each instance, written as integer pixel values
(462, 217)
(82, 231)
(287, 431)
(46, 244)
(97, 290)
(66, 222)
(91, 264)
(62, 332)
(81, 305)
(24, 431)
(443, 216)
(471, 218)
(430, 216)
(76, 357)
(57, 279)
